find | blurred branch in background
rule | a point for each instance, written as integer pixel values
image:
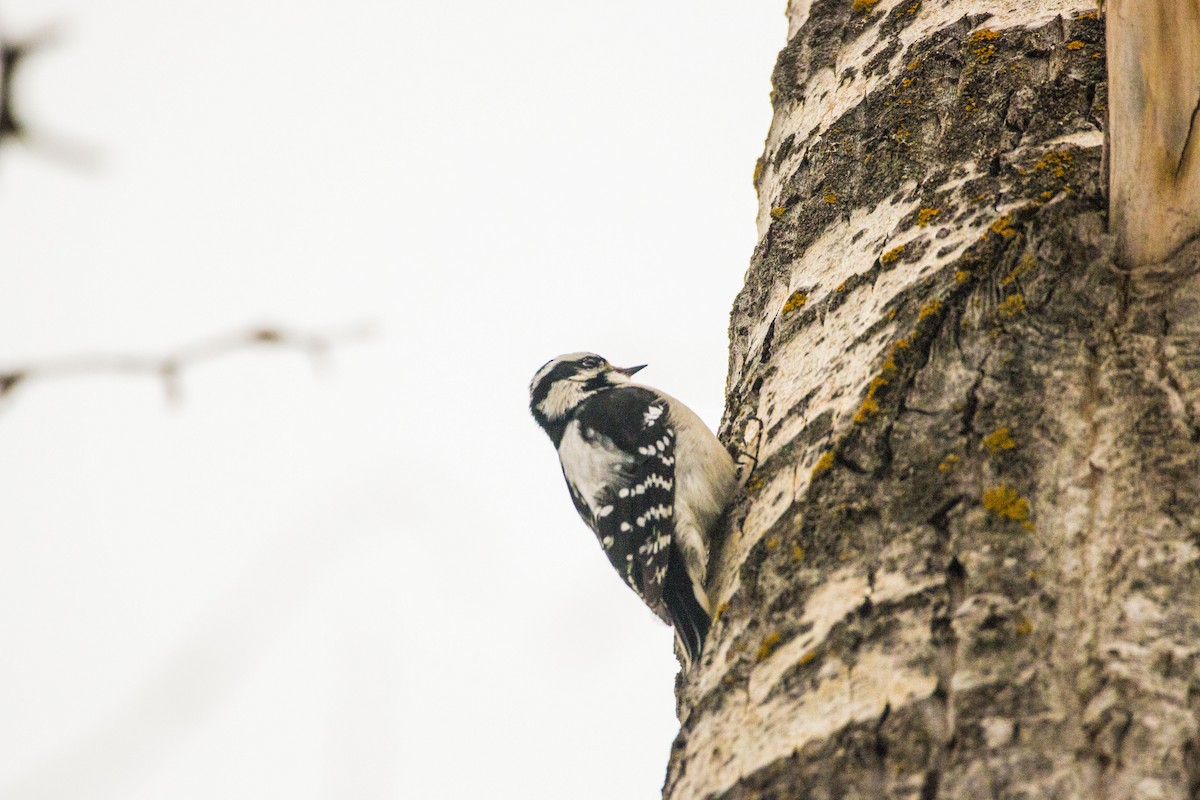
(12, 53)
(13, 126)
(169, 366)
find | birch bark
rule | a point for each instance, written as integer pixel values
(967, 563)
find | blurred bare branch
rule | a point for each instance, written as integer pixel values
(13, 126)
(168, 367)
(12, 54)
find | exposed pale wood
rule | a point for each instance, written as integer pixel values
(1154, 126)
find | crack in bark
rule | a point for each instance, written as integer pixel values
(1191, 748)
(971, 406)
(945, 642)
(1090, 577)
(1189, 143)
(1088, 413)
(880, 774)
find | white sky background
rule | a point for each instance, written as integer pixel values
(369, 582)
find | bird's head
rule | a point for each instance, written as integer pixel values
(564, 382)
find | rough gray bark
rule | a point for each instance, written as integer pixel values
(967, 563)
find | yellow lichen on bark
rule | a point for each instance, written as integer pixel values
(1005, 501)
(1012, 305)
(929, 309)
(926, 215)
(767, 645)
(797, 300)
(1003, 227)
(998, 440)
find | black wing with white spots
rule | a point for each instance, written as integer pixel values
(634, 516)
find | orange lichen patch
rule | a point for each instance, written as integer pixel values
(758, 171)
(755, 485)
(772, 544)
(777, 212)
(1028, 262)
(870, 406)
(830, 198)
(902, 134)
(1046, 195)
(889, 363)
(1003, 227)
(970, 105)
(962, 276)
(797, 553)
(913, 65)
(984, 54)
(768, 644)
(797, 300)
(825, 462)
(985, 35)
(925, 215)
(865, 6)
(841, 287)
(904, 84)
(999, 439)
(892, 255)
(1025, 626)
(912, 9)
(1089, 15)
(1013, 304)
(929, 309)
(948, 462)
(1005, 501)
(1075, 45)
(1059, 160)
(807, 657)
(868, 409)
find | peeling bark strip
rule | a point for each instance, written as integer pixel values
(1154, 52)
(967, 563)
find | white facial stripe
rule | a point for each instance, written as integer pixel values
(542, 373)
(564, 395)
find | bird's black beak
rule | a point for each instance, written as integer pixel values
(630, 370)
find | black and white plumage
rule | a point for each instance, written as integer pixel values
(646, 475)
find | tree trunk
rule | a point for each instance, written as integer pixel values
(967, 563)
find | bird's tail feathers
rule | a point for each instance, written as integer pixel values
(687, 614)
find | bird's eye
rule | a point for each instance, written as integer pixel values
(591, 362)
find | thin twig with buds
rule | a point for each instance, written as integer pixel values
(167, 367)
